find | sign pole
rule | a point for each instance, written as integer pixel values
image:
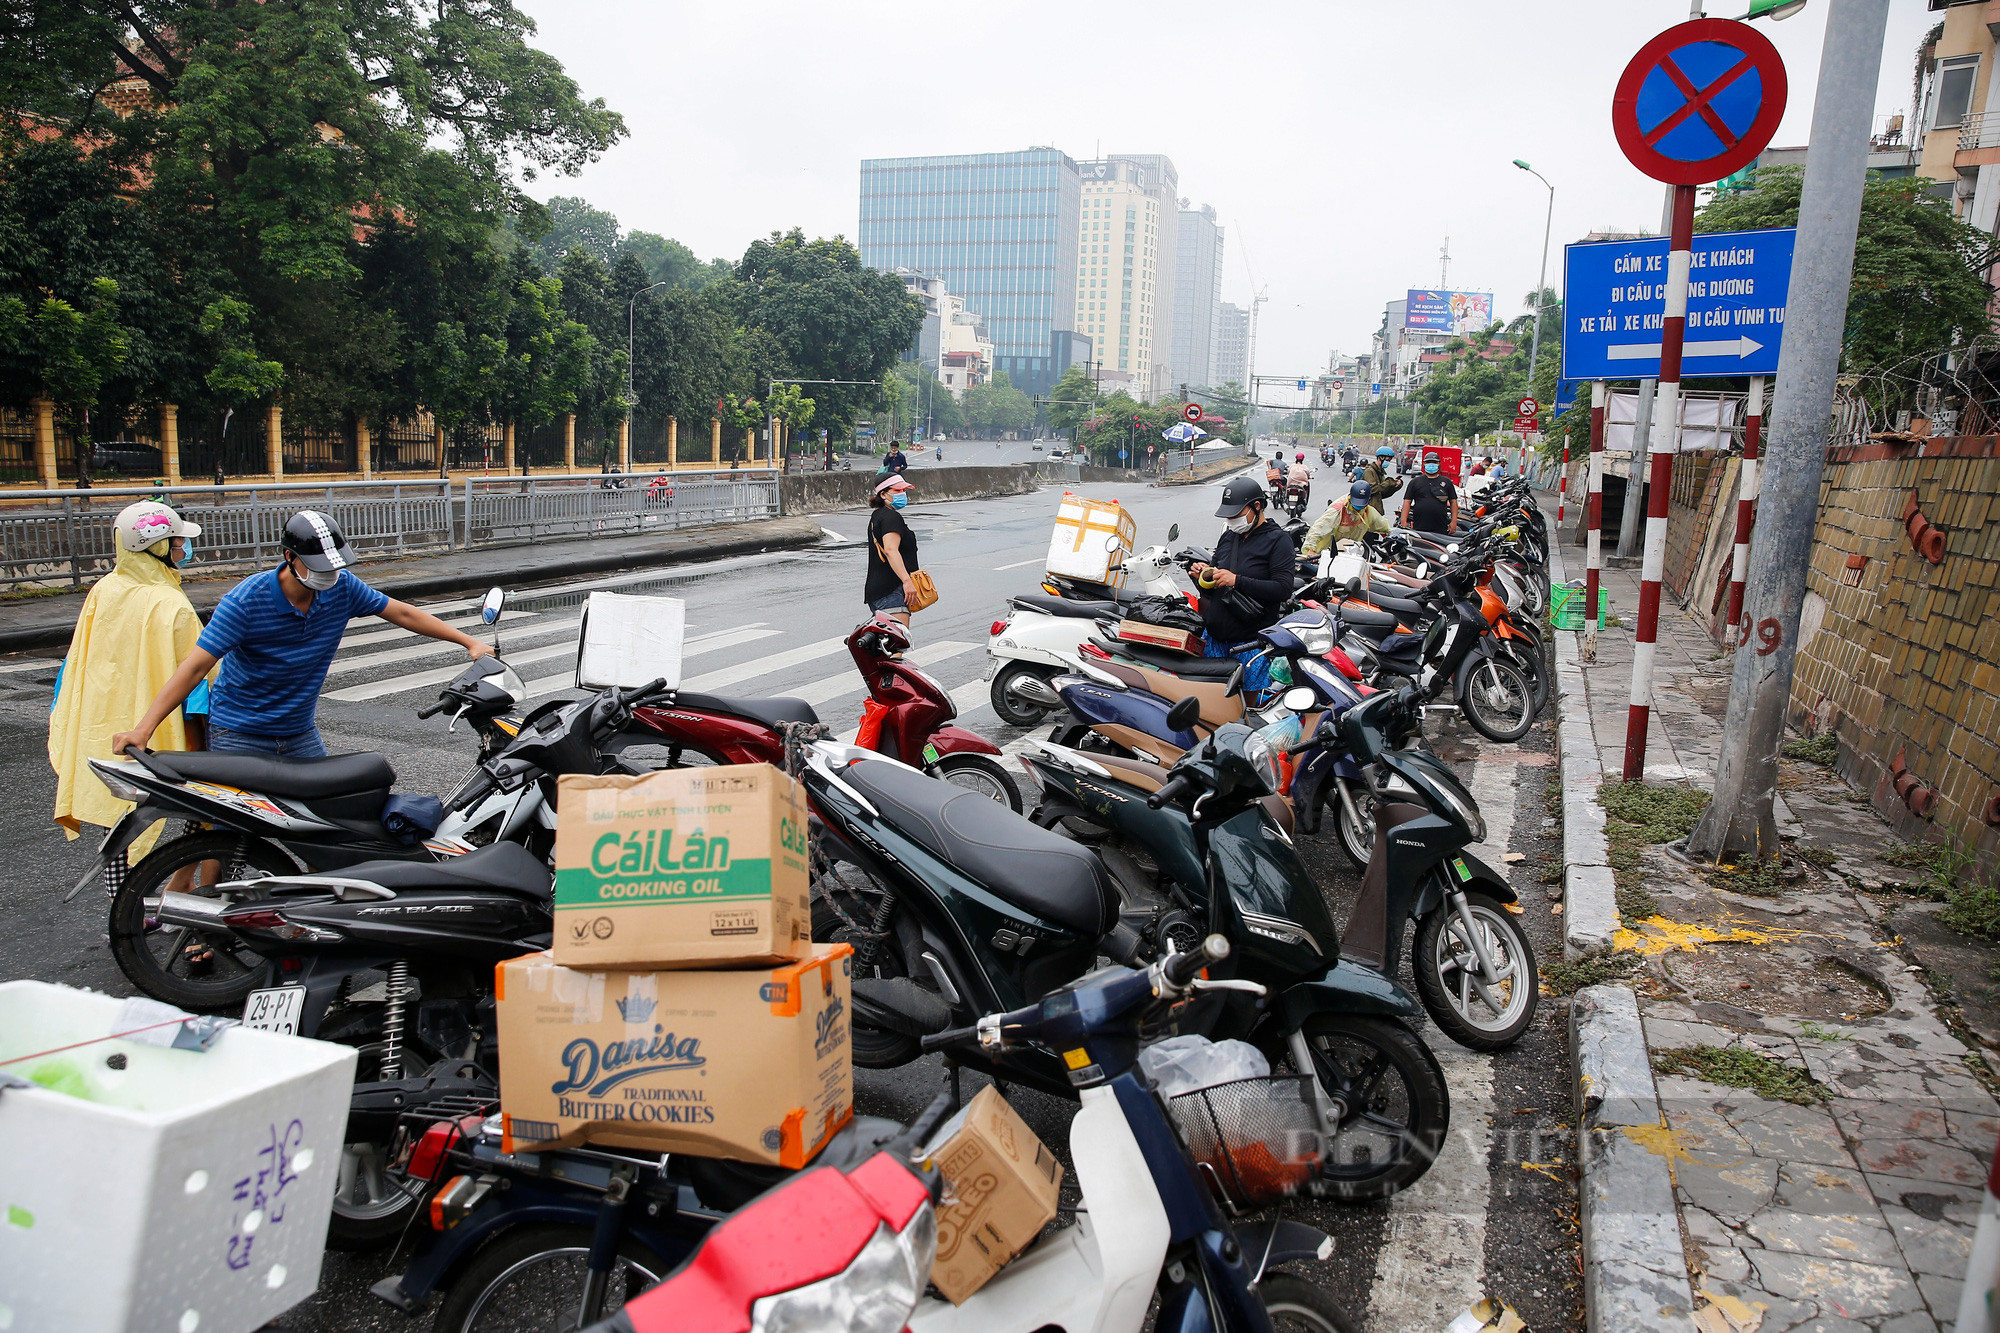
(1562, 486)
(1659, 483)
(1746, 506)
(1593, 518)
(1739, 823)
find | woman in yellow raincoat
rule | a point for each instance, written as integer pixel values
(135, 628)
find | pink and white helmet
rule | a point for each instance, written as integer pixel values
(148, 522)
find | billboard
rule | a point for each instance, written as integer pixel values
(1448, 312)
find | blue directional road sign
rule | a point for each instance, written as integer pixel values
(1615, 295)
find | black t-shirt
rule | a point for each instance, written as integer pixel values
(1263, 560)
(882, 578)
(1430, 502)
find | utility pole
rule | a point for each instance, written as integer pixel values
(1738, 823)
(1635, 476)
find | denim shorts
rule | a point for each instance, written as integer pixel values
(302, 745)
(890, 603)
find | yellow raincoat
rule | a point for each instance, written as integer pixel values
(136, 627)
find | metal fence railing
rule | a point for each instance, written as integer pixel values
(55, 537)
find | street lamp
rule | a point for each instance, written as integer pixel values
(632, 399)
(1771, 9)
(1535, 350)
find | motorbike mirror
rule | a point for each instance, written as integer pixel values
(489, 610)
(1235, 683)
(1354, 586)
(1112, 543)
(1451, 549)
(1183, 715)
(1174, 532)
(1300, 700)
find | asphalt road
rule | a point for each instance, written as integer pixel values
(1496, 1213)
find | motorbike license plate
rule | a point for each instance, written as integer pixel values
(275, 1010)
(992, 666)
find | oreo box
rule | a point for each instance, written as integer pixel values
(748, 1063)
(684, 867)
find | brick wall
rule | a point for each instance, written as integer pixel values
(1902, 656)
(1690, 510)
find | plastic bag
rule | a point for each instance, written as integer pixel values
(1183, 1064)
(869, 736)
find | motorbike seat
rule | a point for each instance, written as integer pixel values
(1355, 616)
(1036, 870)
(1384, 600)
(335, 775)
(1178, 664)
(770, 712)
(506, 866)
(1068, 607)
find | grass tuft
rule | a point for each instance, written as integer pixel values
(1822, 749)
(1568, 978)
(1736, 1067)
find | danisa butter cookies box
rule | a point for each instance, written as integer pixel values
(748, 1063)
(684, 867)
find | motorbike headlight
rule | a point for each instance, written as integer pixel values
(873, 1294)
(1263, 762)
(1465, 807)
(1317, 639)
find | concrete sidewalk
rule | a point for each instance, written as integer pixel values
(1772, 1055)
(46, 622)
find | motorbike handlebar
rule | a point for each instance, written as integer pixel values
(434, 709)
(1172, 790)
(1182, 968)
(938, 1041)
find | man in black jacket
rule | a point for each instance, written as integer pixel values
(1251, 577)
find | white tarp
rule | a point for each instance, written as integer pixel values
(1708, 421)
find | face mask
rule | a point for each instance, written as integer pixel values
(898, 500)
(1241, 523)
(315, 579)
(1430, 469)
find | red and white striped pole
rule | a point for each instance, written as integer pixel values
(1659, 481)
(1593, 518)
(1562, 487)
(1746, 503)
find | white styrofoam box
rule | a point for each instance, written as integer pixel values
(630, 641)
(1091, 540)
(191, 1189)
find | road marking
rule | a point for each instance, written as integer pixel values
(1432, 1263)
(538, 686)
(455, 621)
(702, 643)
(38, 664)
(432, 647)
(1000, 569)
(764, 666)
(833, 687)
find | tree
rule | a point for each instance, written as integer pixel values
(667, 260)
(997, 405)
(575, 225)
(917, 398)
(1073, 400)
(66, 353)
(549, 356)
(1918, 284)
(587, 298)
(789, 405)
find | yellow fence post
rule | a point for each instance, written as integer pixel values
(569, 442)
(170, 442)
(274, 441)
(507, 442)
(364, 448)
(714, 443)
(673, 444)
(45, 442)
(625, 445)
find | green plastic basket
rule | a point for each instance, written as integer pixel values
(1566, 609)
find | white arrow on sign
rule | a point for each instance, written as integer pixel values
(1737, 347)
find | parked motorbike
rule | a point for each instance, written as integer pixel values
(684, 728)
(396, 957)
(1041, 633)
(967, 910)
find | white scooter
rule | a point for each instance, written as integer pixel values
(1041, 637)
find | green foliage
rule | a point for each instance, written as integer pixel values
(65, 353)
(1823, 749)
(1918, 284)
(789, 404)
(912, 395)
(1566, 978)
(1970, 905)
(669, 261)
(1074, 400)
(1739, 1067)
(575, 225)
(1662, 813)
(239, 374)
(997, 405)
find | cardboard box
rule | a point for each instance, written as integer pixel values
(752, 1063)
(1006, 1182)
(1091, 540)
(1161, 636)
(630, 641)
(683, 867)
(153, 1187)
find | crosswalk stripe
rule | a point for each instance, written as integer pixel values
(849, 682)
(375, 689)
(764, 666)
(541, 686)
(431, 647)
(384, 635)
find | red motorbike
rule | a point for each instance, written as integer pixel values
(905, 719)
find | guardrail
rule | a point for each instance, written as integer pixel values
(55, 537)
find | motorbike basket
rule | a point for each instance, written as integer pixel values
(1256, 1140)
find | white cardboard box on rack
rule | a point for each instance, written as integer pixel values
(187, 1189)
(628, 641)
(1091, 539)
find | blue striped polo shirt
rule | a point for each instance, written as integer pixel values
(274, 656)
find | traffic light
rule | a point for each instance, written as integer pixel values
(1136, 420)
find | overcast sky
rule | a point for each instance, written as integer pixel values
(1338, 142)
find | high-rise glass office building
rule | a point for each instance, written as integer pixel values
(1001, 230)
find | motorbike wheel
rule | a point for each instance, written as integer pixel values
(1497, 699)
(976, 772)
(873, 1047)
(1012, 708)
(1398, 1107)
(372, 1201)
(531, 1278)
(1294, 1303)
(1446, 968)
(1357, 839)
(193, 969)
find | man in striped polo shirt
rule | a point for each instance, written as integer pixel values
(275, 634)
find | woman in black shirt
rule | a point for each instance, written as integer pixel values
(892, 551)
